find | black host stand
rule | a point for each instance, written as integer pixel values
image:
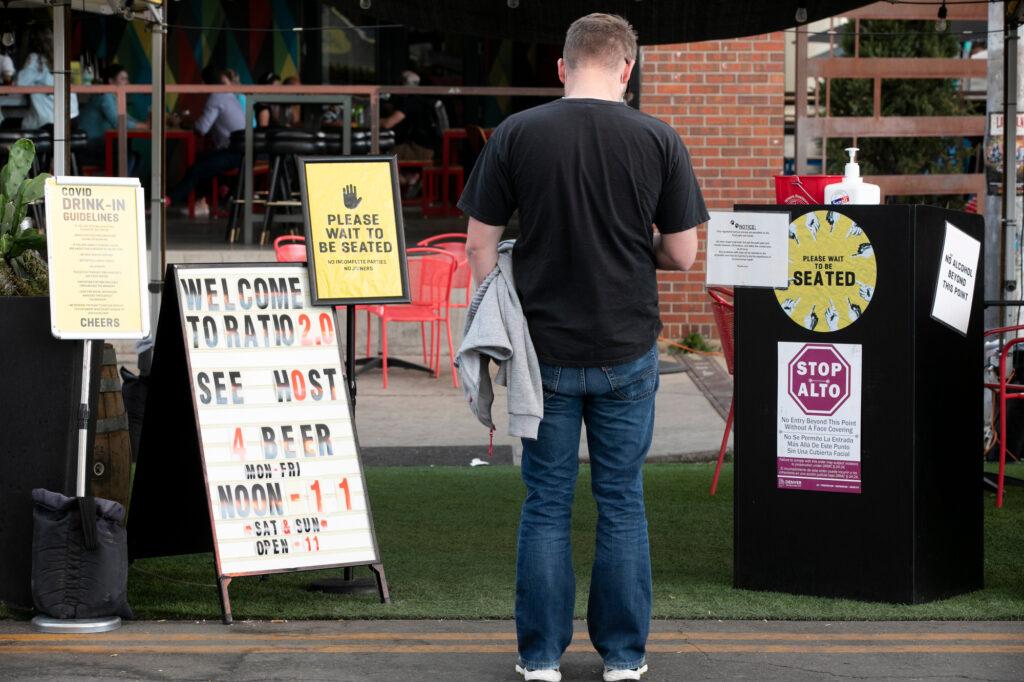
(913, 533)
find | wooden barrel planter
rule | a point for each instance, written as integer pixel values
(111, 467)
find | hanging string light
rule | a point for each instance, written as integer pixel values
(7, 39)
(941, 25)
(512, 4)
(365, 4)
(801, 14)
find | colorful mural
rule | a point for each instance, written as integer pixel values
(200, 31)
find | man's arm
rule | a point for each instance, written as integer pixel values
(677, 250)
(389, 122)
(482, 248)
(211, 110)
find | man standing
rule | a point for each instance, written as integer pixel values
(589, 176)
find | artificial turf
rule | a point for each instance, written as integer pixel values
(447, 539)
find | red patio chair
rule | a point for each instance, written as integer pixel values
(430, 290)
(1004, 391)
(722, 307)
(455, 244)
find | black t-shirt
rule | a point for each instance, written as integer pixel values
(417, 126)
(589, 177)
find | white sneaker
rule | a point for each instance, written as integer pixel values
(613, 674)
(545, 675)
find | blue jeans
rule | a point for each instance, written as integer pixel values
(617, 405)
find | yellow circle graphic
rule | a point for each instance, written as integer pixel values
(832, 272)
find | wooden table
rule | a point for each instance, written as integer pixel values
(187, 136)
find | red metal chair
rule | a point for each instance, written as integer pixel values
(430, 289)
(723, 309)
(1004, 391)
(455, 244)
(290, 248)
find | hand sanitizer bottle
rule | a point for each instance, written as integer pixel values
(853, 189)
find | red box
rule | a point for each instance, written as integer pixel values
(803, 189)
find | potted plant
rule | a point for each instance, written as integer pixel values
(22, 269)
(41, 382)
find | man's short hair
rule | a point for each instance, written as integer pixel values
(603, 40)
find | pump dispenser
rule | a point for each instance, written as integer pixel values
(853, 189)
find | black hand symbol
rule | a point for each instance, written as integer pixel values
(351, 198)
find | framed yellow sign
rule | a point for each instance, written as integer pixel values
(96, 248)
(355, 239)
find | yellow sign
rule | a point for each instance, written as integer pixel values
(354, 233)
(96, 246)
(832, 272)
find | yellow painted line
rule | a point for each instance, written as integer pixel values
(844, 637)
(510, 648)
(234, 635)
(848, 649)
(231, 636)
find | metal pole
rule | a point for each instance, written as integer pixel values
(800, 138)
(247, 232)
(83, 418)
(1011, 239)
(375, 121)
(61, 88)
(122, 133)
(350, 353)
(157, 213)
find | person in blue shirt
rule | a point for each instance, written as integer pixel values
(36, 71)
(99, 115)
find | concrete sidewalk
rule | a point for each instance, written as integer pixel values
(399, 651)
(417, 410)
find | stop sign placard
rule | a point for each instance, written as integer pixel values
(819, 379)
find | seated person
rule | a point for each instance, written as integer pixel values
(413, 122)
(221, 116)
(268, 115)
(416, 136)
(293, 114)
(99, 115)
(36, 71)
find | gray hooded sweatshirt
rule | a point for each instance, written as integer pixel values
(496, 329)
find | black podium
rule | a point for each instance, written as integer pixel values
(905, 523)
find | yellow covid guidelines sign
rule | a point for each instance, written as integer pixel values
(832, 272)
(354, 231)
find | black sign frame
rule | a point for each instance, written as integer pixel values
(302, 162)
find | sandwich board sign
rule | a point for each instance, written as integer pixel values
(249, 410)
(96, 248)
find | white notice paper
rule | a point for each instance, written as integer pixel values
(748, 249)
(958, 270)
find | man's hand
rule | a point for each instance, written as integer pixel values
(676, 250)
(482, 248)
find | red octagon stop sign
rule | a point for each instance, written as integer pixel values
(819, 379)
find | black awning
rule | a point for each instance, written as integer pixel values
(657, 21)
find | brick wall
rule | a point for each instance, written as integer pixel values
(726, 98)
